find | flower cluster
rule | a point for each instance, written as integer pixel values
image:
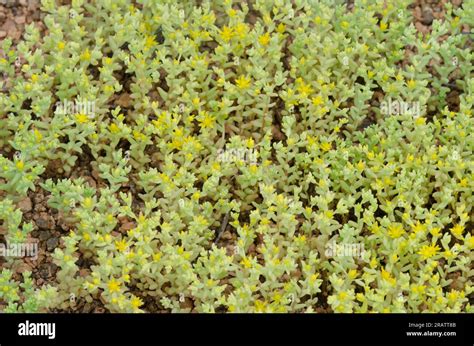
(170, 223)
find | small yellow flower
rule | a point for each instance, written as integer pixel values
(457, 230)
(383, 26)
(418, 227)
(304, 89)
(121, 245)
(428, 251)
(88, 202)
(318, 100)
(435, 232)
(395, 230)
(82, 118)
(419, 289)
(246, 262)
(136, 302)
(264, 39)
(281, 28)
(241, 30)
(463, 182)
(342, 295)
(411, 84)
(206, 120)
(38, 135)
(242, 82)
(113, 286)
(196, 101)
(114, 128)
(352, 274)
(326, 146)
(86, 55)
(453, 296)
(20, 165)
(470, 242)
(227, 33)
(420, 121)
(61, 45)
(150, 42)
(388, 277)
(260, 306)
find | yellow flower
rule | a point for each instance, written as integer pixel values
(395, 231)
(375, 228)
(420, 121)
(352, 274)
(246, 262)
(435, 232)
(241, 30)
(264, 39)
(326, 146)
(20, 165)
(121, 245)
(88, 202)
(206, 120)
(114, 128)
(149, 42)
(260, 306)
(196, 101)
(38, 135)
(304, 89)
(411, 84)
(113, 286)
(281, 28)
(418, 227)
(342, 295)
(86, 55)
(457, 230)
(428, 251)
(242, 82)
(383, 26)
(136, 302)
(227, 33)
(470, 242)
(388, 277)
(453, 296)
(82, 118)
(463, 182)
(420, 289)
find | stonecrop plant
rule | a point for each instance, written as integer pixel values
(242, 156)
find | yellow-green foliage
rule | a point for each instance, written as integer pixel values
(269, 113)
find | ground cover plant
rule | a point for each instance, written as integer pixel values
(238, 156)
